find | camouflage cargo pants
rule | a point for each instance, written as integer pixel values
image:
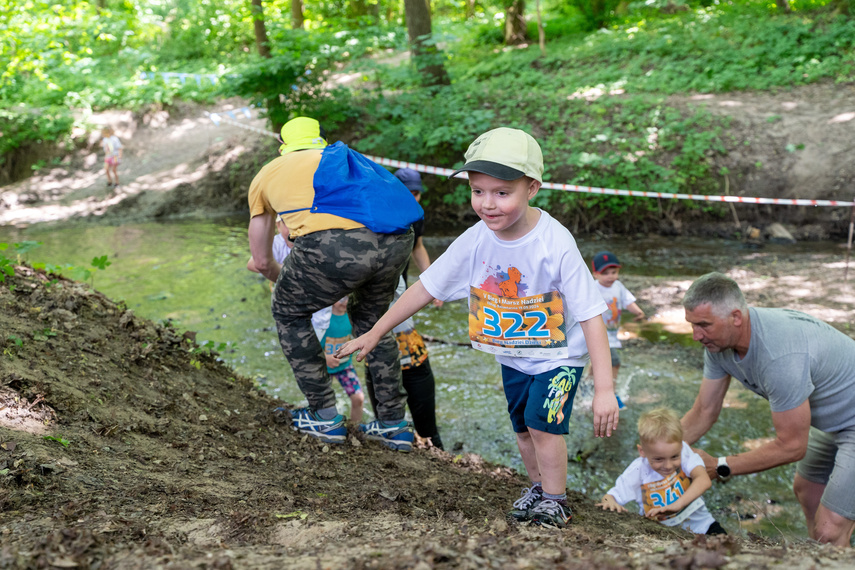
(322, 268)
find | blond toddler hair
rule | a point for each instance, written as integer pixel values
(661, 424)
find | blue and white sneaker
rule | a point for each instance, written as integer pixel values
(398, 436)
(305, 420)
(620, 404)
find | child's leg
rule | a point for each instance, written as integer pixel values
(420, 386)
(356, 401)
(551, 452)
(529, 457)
(548, 403)
(615, 370)
(350, 383)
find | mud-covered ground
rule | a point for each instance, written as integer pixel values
(125, 445)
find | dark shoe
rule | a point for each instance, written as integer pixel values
(530, 498)
(398, 436)
(305, 420)
(552, 513)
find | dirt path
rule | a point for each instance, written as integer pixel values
(788, 144)
(163, 151)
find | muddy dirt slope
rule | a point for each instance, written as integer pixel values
(123, 444)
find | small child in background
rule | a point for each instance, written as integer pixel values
(657, 480)
(338, 332)
(112, 155)
(606, 269)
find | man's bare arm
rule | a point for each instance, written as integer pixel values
(792, 429)
(260, 233)
(705, 410)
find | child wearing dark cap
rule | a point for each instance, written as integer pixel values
(532, 303)
(606, 268)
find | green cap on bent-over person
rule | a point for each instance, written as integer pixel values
(506, 154)
(300, 134)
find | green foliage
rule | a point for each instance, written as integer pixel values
(294, 80)
(22, 126)
(595, 101)
(101, 262)
(59, 439)
(44, 334)
(707, 50)
(74, 272)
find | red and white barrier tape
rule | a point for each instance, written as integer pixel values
(583, 189)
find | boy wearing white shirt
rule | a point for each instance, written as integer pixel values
(606, 268)
(667, 481)
(532, 303)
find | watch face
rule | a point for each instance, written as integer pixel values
(723, 471)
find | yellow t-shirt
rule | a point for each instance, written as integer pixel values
(285, 185)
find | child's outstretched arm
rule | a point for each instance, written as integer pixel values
(609, 503)
(605, 403)
(408, 305)
(635, 310)
(700, 483)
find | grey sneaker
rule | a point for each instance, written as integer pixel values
(522, 506)
(552, 513)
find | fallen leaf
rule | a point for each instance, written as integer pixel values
(64, 563)
(8, 445)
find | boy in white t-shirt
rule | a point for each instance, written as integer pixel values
(658, 482)
(532, 303)
(606, 268)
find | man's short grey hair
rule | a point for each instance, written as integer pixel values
(717, 289)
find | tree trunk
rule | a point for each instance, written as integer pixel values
(297, 14)
(359, 8)
(783, 6)
(426, 56)
(515, 29)
(541, 34)
(470, 9)
(261, 41)
(845, 7)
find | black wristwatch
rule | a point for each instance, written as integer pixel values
(722, 469)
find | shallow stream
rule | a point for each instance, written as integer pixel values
(193, 273)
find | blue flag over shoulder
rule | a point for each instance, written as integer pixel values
(349, 185)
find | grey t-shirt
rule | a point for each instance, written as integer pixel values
(793, 357)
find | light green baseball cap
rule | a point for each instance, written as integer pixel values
(506, 154)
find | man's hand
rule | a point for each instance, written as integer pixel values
(610, 504)
(437, 303)
(710, 463)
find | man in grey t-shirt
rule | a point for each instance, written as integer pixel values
(806, 369)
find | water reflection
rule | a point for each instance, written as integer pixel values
(194, 274)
